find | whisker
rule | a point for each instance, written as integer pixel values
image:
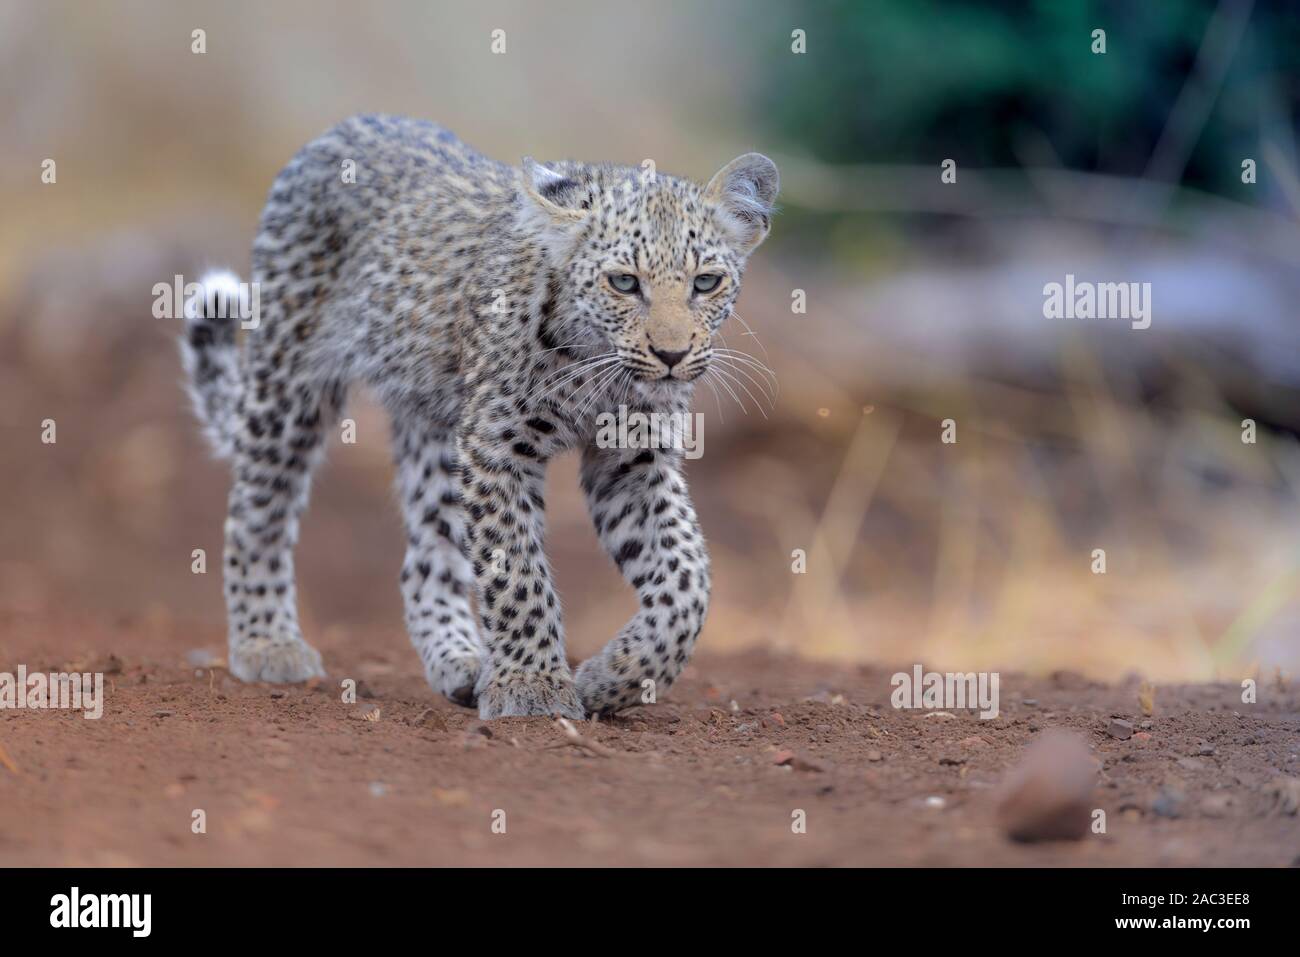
(722, 371)
(627, 387)
(749, 367)
(590, 389)
(713, 371)
(767, 388)
(745, 356)
(751, 332)
(705, 379)
(575, 344)
(596, 389)
(569, 373)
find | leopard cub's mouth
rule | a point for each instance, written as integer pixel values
(661, 390)
(647, 371)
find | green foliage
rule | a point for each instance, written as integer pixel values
(1014, 83)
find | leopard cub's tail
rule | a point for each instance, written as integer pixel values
(210, 354)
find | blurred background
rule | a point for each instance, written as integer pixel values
(924, 302)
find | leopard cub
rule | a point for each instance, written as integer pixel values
(493, 310)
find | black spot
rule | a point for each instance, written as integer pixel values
(557, 190)
(628, 551)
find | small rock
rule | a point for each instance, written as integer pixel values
(378, 789)
(875, 756)
(1070, 681)
(451, 797)
(1285, 792)
(974, 741)
(1049, 794)
(1216, 805)
(1120, 729)
(1169, 803)
(1191, 764)
(951, 759)
(1030, 702)
(791, 760)
(163, 713)
(936, 802)
(1142, 737)
(1205, 750)
(432, 720)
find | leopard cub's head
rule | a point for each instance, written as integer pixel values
(650, 264)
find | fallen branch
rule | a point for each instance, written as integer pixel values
(573, 739)
(7, 761)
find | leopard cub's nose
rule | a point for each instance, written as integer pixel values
(669, 359)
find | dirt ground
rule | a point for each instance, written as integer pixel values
(713, 775)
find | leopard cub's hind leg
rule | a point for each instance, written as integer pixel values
(437, 579)
(280, 443)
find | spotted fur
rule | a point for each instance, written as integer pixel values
(477, 301)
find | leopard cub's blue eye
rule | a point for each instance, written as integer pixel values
(707, 282)
(624, 282)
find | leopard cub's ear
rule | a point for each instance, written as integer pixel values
(744, 191)
(560, 198)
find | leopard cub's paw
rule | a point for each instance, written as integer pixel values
(277, 660)
(455, 674)
(521, 695)
(603, 690)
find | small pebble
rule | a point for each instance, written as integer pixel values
(1216, 805)
(1169, 803)
(1120, 729)
(1049, 794)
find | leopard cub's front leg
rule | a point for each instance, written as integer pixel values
(526, 672)
(644, 517)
